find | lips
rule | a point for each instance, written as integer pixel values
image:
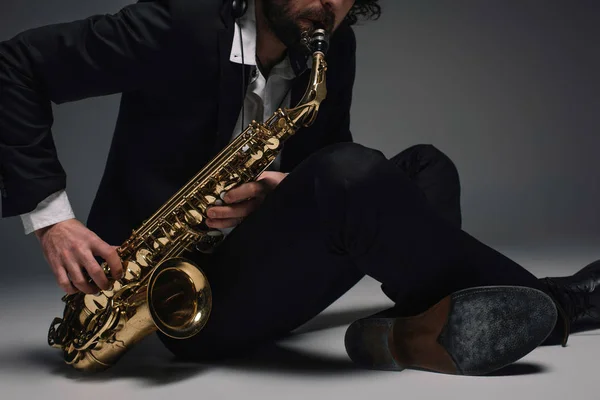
(314, 23)
(311, 21)
(318, 18)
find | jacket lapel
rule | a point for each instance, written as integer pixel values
(197, 20)
(231, 92)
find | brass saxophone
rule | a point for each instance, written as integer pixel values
(160, 289)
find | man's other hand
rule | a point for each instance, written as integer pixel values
(243, 200)
(69, 247)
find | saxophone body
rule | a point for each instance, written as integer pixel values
(160, 288)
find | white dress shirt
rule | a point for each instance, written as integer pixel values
(263, 97)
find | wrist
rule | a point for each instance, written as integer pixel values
(39, 233)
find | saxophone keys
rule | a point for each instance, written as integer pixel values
(95, 303)
(133, 271)
(143, 257)
(272, 143)
(160, 243)
(192, 207)
(54, 338)
(115, 286)
(193, 217)
(210, 199)
(208, 240)
(72, 356)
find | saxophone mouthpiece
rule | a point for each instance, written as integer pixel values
(319, 41)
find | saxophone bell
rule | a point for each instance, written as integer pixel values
(179, 298)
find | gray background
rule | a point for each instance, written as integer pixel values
(508, 89)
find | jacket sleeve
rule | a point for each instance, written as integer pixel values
(340, 129)
(96, 56)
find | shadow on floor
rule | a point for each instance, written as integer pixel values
(141, 363)
(151, 364)
(519, 368)
(330, 320)
(282, 358)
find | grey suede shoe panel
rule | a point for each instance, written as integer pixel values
(493, 326)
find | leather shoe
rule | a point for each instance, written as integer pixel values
(578, 296)
(470, 332)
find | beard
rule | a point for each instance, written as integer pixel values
(288, 25)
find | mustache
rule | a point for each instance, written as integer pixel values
(323, 16)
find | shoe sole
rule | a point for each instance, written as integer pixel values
(471, 332)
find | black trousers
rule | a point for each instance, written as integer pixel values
(344, 212)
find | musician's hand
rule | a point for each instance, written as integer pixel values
(69, 247)
(243, 200)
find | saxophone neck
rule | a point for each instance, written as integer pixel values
(305, 112)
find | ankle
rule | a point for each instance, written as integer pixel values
(562, 329)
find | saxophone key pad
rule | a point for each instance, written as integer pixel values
(133, 271)
(143, 257)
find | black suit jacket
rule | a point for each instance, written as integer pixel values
(181, 97)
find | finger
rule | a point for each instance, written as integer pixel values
(94, 270)
(109, 253)
(245, 191)
(79, 280)
(237, 210)
(223, 223)
(270, 177)
(63, 280)
(223, 212)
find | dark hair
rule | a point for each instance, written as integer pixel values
(363, 8)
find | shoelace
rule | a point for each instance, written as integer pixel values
(578, 303)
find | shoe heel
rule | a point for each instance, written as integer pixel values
(414, 340)
(367, 343)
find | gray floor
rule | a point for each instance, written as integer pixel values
(311, 364)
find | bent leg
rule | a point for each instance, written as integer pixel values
(335, 218)
(436, 175)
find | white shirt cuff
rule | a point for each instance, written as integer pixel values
(53, 209)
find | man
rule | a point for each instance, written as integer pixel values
(329, 212)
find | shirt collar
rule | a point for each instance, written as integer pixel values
(291, 66)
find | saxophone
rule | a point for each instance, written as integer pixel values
(160, 289)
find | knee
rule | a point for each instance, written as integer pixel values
(429, 154)
(419, 157)
(347, 162)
